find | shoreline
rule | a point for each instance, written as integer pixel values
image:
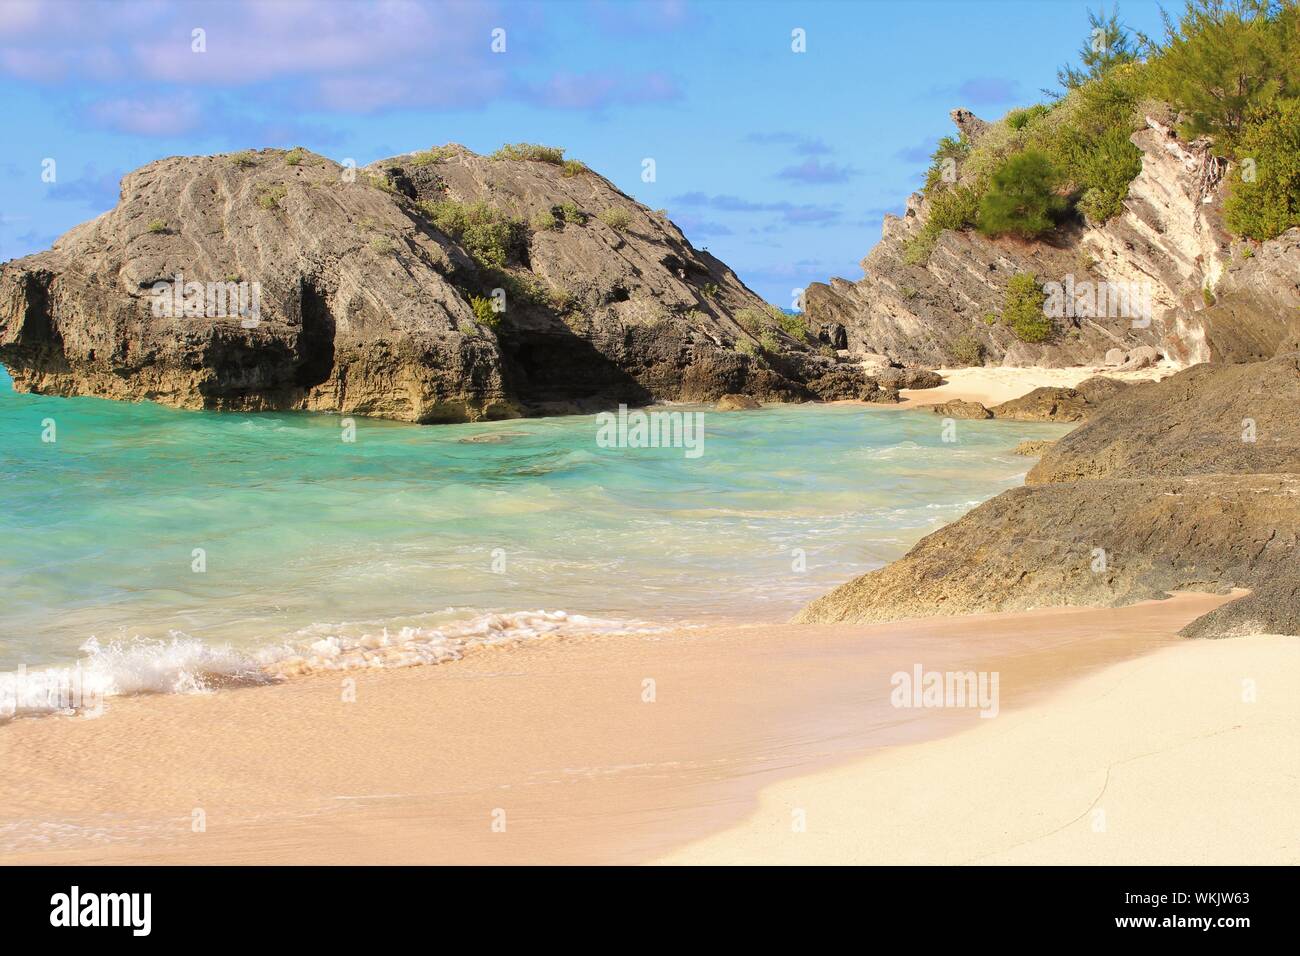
(414, 766)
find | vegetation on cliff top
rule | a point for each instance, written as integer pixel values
(1230, 69)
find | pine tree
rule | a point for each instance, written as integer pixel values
(1022, 199)
(1107, 45)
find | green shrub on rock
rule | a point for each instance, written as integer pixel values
(491, 238)
(968, 350)
(1022, 199)
(1023, 312)
(1264, 195)
(532, 151)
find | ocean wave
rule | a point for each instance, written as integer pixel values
(186, 665)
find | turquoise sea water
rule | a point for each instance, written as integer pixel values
(411, 535)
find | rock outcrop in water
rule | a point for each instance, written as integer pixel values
(372, 292)
(1191, 483)
(1212, 298)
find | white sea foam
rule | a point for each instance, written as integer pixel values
(186, 665)
(348, 647)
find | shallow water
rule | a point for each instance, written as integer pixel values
(307, 539)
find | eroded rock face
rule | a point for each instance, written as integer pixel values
(364, 304)
(1039, 547)
(1169, 240)
(345, 323)
(1163, 488)
(1032, 448)
(1209, 419)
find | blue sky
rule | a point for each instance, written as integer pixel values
(780, 163)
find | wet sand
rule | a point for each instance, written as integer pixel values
(553, 752)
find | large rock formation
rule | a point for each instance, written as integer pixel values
(1211, 298)
(358, 298)
(1188, 483)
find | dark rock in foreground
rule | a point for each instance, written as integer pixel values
(1156, 492)
(1224, 419)
(1099, 542)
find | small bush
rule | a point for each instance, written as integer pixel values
(746, 347)
(792, 325)
(573, 167)
(1019, 119)
(616, 218)
(544, 221)
(1207, 296)
(710, 290)
(751, 320)
(489, 237)
(769, 343)
(1022, 199)
(295, 156)
(1106, 169)
(157, 226)
(1023, 312)
(955, 208)
(916, 251)
(1268, 204)
(483, 311)
(242, 160)
(382, 245)
(430, 156)
(270, 196)
(570, 214)
(383, 183)
(531, 151)
(948, 156)
(968, 350)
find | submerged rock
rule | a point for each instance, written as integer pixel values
(733, 403)
(1045, 405)
(959, 408)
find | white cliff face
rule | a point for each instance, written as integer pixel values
(1169, 235)
(1169, 241)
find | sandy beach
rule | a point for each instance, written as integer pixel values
(992, 385)
(692, 745)
(1188, 756)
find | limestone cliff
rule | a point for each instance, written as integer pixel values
(358, 298)
(1211, 297)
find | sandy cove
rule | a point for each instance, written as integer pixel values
(992, 385)
(555, 739)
